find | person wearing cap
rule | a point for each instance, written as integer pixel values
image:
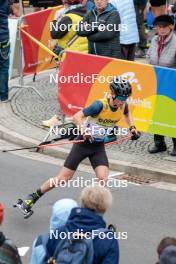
(167, 251)
(103, 114)
(8, 251)
(60, 213)
(162, 52)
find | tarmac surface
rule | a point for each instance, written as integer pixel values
(145, 213)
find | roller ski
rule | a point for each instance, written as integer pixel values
(25, 206)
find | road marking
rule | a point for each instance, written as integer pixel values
(115, 174)
(164, 186)
(23, 250)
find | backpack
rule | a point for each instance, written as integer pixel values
(8, 252)
(75, 249)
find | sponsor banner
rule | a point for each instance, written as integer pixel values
(85, 78)
(13, 27)
(37, 25)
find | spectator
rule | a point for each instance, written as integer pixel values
(162, 52)
(64, 29)
(129, 32)
(158, 7)
(45, 3)
(60, 213)
(8, 251)
(15, 8)
(140, 6)
(167, 251)
(89, 217)
(101, 26)
(4, 50)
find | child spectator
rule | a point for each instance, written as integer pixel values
(60, 213)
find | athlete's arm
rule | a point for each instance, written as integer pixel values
(93, 110)
(128, 119)
(78, 119)
(127, 115)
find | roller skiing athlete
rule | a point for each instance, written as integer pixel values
(102, 114)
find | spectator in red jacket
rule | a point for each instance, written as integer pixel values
(8, 251)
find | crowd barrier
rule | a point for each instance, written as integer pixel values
(36, 26)
(84, 78)
(14, 68)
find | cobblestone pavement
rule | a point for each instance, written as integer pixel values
(27, 106)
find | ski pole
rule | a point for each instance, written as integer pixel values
(43, 145)
(119, 141)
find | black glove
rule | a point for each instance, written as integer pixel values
(135, 134)
(174, 9)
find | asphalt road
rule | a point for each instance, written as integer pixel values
(147, 214)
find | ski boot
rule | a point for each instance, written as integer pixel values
(24, 206)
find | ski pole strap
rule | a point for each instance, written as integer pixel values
(119, 141)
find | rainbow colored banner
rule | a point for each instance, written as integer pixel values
(36, 59)
(85, 78)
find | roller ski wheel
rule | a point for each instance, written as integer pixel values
(23, 208)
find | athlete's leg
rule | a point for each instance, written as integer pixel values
(102, 172)
(76, 155)
(64, 176)
(99, 162)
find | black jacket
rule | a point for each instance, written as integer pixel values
(105, 40)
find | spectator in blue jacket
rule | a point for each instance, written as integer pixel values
(60, 213)
(129, 35)
(95, 200)
(4, 49)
